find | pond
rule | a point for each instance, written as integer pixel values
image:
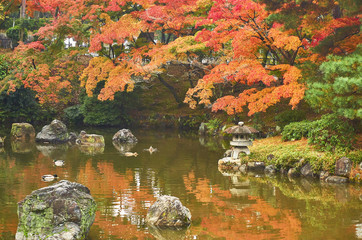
(223, 205)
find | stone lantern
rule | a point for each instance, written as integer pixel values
(241, 139)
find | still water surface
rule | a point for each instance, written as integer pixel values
(223, 205)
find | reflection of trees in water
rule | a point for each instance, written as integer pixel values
(214, 143)
(123, 213)
(255, 219)
(125, 192)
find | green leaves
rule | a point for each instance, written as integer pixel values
(340, 89)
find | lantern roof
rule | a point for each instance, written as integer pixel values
(240, 129)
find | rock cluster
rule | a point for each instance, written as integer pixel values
(302, 169)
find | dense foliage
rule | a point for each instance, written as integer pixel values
(328, 133)
(248, 55)
(340, 86)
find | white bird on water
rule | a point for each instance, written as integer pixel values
(49, 177)
(151, 149)
(59, 163)
(131, 154)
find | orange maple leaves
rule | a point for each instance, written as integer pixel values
(256, 57)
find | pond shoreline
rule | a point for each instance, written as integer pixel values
(297, 159)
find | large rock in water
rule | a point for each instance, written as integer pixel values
(22, 131)
(55, 132)
(168, 211)
(62, 211)
(124, 136)
(91, 139)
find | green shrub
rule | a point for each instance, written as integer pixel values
(289, 116)
(74, 115)
(296, 130)
(4, 67)
(106, 113)
(213, 125)
(14, 34)
(32, 24)
(21, 106)
(331, 132)
(190, 122)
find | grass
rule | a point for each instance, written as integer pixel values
(288, 154)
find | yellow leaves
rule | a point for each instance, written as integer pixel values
(117, 77)
(283, 40)
(2, 17)
(97, 71)
(120, 79)
(185, 44)
(291, 75)
(106, 17)
(202, 91)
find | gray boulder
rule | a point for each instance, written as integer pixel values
(323, 175)
(256, 166)
(124, 136)
(55, 132)
(270, 170)
(336, 179)
(72, 137)
(343, 167)
(168, 211)
(62, 211)
(293, 173)
(307, 170)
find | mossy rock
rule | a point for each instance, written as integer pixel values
(22, 131)
(168, 212)
(91, 139)
(64, 210)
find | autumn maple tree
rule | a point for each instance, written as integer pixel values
(257, 51)
(261, 51)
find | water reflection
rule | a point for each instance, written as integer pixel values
(225, 206)
(91, 149)
(18, 146)
(124, 147)
(53, 151)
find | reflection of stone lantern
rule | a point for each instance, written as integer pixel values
(241, 139)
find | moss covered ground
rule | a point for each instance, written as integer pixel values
(273, 150)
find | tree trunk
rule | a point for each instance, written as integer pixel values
(172, 90)
(22, 16)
